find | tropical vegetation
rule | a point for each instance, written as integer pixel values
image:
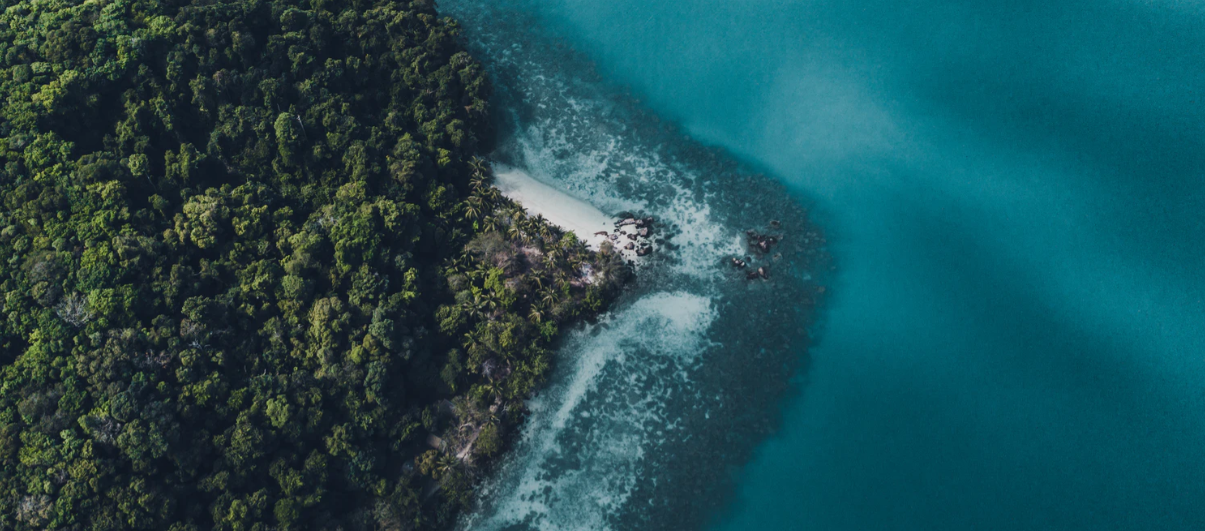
(253, 275)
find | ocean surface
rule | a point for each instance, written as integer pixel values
(1005, 201)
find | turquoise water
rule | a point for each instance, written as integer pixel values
(1013, 193)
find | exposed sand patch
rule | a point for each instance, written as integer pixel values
(561, 209)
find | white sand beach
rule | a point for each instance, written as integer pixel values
(559, 208)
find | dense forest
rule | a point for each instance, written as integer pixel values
(252, 274)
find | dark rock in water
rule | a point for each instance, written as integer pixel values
(625, 215)
(649, 220)
(752, 275)
(763, 272)
(631, 237)
(601, 233)
(644, 232)
(626, 222)
(764, 246)
(643, 251)
(774, 224)
(738, 263)
(614, 237)
(640, 223)
(751, 233)
(630, 246)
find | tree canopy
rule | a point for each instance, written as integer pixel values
(252, 275)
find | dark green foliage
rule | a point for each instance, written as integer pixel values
(248, 264)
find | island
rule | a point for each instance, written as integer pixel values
(254, 274)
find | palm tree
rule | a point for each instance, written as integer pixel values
(476, 307)
(447, 463)
(460, 263)
(549, 296)
(535, 314)
(479, 167)
(492, 388)
(477, 182)
(489, 302)
(471, 343)
(472, 209)
(554, 254)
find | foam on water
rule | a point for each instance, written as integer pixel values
(1017, 188)
(692, 357)
(603, 166)
(583, 448)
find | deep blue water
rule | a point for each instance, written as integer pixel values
(1014, 196)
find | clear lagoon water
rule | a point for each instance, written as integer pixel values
(1013, 195)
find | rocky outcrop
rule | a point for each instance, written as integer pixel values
(637, 230)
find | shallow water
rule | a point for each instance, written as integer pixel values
(1013, 192)
(690, 365)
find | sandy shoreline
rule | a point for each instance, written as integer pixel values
(559, 208)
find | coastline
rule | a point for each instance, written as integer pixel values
(570, 214)
(691, 366)
(390, 334)
(558, 208)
